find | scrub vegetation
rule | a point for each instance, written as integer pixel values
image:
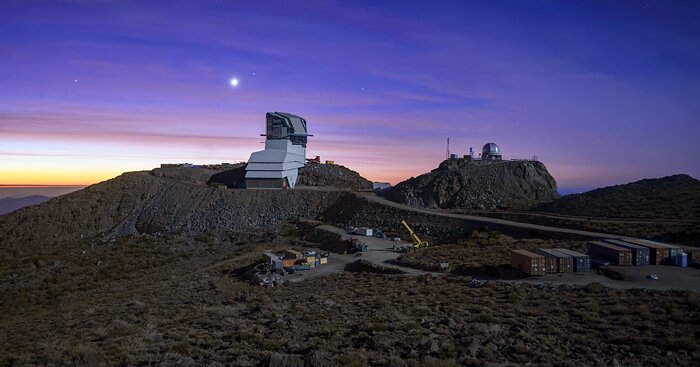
(173, 300)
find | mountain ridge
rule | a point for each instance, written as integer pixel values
(670, 197)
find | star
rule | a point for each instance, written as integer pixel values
(234, 82)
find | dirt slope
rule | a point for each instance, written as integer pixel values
(466, 184)
(141, 202)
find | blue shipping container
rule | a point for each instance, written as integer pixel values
(681, 260)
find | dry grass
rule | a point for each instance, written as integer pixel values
(167, 301)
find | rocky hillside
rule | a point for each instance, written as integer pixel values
(332, 175)
(144, 203)
(310, 175)
(467, 184)
(672, 197)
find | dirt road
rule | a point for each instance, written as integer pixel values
(487, 220)
(670, 277)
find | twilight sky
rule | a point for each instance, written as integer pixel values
(603, 92)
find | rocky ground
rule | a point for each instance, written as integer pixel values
(467, 184)
(332, 175)
(144, 270)
(144, 203)
(177, 301)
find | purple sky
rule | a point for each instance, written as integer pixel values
(602, 92)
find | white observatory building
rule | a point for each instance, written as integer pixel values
(277, 167)
(491, 151)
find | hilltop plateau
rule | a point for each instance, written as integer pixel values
(478, 184)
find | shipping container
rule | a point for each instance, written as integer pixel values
(528, 262)
(618, 255)
(323, 260)
(658, 253)
(640, 254)
(365, 231)
(581, 262)
(550, 261)
(681, 260)
(565, 262)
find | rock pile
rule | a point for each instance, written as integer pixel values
(332, 175)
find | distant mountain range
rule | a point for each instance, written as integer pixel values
(8, 205)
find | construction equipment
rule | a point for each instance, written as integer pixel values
(417, 242)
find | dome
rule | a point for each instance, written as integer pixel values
(490, 149)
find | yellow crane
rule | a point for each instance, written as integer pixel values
(417, 242)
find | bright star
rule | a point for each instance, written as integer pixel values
(234, 82)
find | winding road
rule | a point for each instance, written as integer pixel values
(487, 220)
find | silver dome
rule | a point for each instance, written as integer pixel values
(490, 149)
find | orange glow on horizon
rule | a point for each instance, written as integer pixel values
(57, 178)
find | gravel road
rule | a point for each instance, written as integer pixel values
(487, 220)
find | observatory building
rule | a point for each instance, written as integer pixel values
(491, 151)
(277, 167)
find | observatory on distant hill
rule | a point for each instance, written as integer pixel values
(491, 151)
(277, 167)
